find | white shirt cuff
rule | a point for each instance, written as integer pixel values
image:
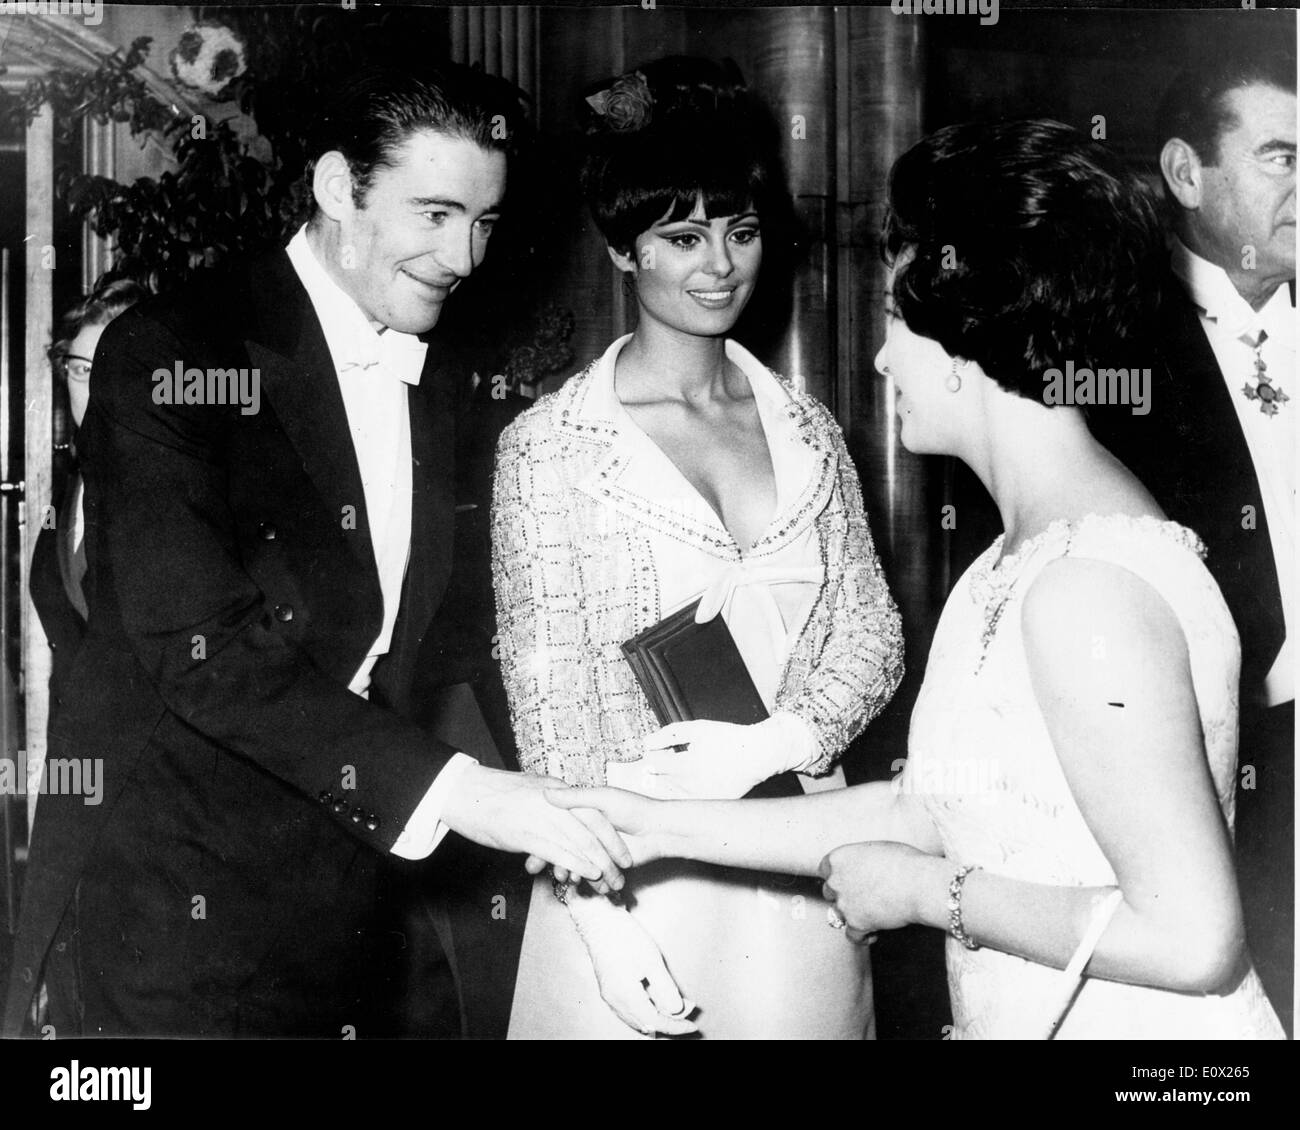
(424, 830)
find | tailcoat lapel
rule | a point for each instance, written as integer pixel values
(1219, 479)
(433, 503)
(300, 382)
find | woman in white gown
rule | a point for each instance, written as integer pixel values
(678, 468)
(1068, 793)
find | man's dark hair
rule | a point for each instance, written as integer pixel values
(1195, 107)
(1031, 245)
(375, 111)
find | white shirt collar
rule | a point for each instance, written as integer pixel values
(352, 340)
(1212, 290)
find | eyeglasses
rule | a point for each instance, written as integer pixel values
(77, 368)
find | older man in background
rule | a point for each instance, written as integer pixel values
(1218, 449)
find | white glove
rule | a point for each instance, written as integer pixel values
(633, 979)
(723, 761)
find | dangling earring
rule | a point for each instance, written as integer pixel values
(953, 381)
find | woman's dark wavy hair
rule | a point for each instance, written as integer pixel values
(706, 138)
(1057, 245)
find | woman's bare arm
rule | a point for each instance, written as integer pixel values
(791, 835)
(1110, 670)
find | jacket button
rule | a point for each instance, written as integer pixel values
(28, 976)
(326, 796)
(267, 531)
(372, 823)
(339, 807)
(284, 613)
(357, 814)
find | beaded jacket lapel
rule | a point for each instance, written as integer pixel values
(621, 468)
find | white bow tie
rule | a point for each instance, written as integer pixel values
(397, 354)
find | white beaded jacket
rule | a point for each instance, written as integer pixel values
(577, 499)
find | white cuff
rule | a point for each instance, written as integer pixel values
(425, 829)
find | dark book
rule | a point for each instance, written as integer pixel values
(692, 671)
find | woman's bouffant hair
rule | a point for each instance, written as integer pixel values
(1031, 245)
(98, 308)
(671, 133)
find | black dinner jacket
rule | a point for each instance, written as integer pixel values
(232, 599)
(1192, 455)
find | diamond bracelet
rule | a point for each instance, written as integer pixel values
(955, 927)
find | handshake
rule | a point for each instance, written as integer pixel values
(540, 817)
(596, 834)
(510, 812)
(556, 827)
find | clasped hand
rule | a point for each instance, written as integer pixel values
(874, 886)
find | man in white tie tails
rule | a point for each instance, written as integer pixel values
(259, 585)
(1218, 449)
